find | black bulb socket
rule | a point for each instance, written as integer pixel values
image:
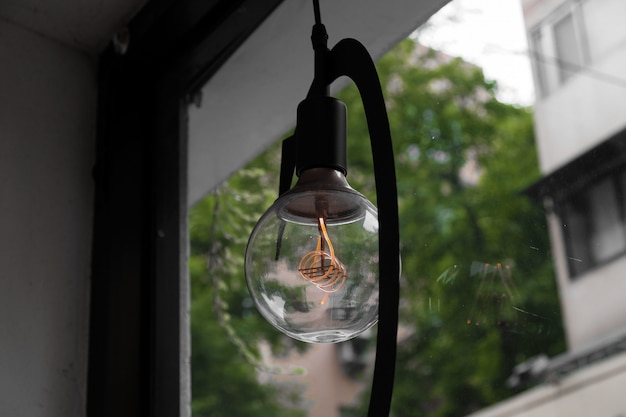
(321, 134)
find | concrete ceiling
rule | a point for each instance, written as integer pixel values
(251, 101)
(86, 25)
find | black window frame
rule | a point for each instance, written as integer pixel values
(580, 265)
(136, 364)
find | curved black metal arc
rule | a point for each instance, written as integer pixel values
(350, 58)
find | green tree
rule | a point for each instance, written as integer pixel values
(478, 286)
(225, 327)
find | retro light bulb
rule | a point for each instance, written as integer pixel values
(312, 260)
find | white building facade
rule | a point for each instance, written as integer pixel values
(578, 51)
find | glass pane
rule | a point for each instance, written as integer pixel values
(490, 314)
(594, 226)
(607, 225)
(567, 47)
(576, 232)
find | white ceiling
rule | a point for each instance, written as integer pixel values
(87, 25)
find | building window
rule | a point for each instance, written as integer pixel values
(577, 35)
(567, 47)
(559, 47)
(594, 221)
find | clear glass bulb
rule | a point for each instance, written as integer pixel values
(312, 260)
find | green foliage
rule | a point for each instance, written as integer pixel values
(225, 326)
(478, 284)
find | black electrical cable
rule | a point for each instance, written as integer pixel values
(319, 39)
(316, 11)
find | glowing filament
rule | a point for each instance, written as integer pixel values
(320, 267)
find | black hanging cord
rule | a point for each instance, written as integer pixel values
(319, 39)
(316, 11)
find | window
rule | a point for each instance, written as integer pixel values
(567, 47)
(595, 223)
(560, 47)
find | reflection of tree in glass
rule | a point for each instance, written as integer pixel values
(462, 159)
(225, 328)
(291, 295)
(494, 294)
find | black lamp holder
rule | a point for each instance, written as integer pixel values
(320, 141)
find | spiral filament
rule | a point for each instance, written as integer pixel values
(320, 267)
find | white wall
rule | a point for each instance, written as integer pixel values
(47, 136)
(584, 112)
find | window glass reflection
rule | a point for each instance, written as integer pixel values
(595, 224)
(513, 229)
